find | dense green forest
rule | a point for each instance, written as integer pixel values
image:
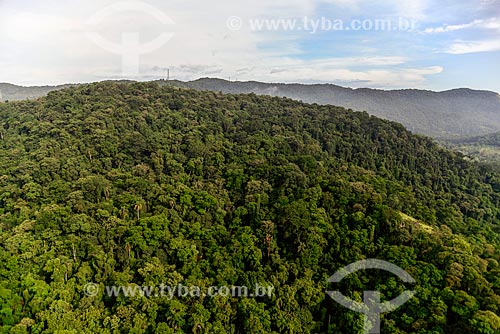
(447, 114)
(133, 183)
(485, 149)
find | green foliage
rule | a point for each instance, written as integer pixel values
(137, 184)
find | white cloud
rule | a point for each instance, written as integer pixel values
(383, 78)
(363, 61)
(415, 9)
(474, 47)
(326, 70)
(465, 47)
(493, 23)
(54, 39)
(49, 46)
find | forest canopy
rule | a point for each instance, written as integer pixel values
(133, 183)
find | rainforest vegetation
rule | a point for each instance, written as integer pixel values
(137, 184)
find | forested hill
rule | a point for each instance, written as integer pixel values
(447, 114)
(119, 184)
(483, 148)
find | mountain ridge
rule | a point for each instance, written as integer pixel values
(460, 112)
(454, 113)
(66, 85)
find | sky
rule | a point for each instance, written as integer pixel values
(385, 44)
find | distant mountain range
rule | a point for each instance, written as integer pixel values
(449, 114)
(9, 92)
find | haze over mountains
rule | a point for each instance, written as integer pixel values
(458, 112)
(10, 92)
(449, 114)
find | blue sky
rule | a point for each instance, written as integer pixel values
(449, 44)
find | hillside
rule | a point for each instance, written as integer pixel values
(9, 92)
(137, 184)
(448, 114)
(482, 148)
